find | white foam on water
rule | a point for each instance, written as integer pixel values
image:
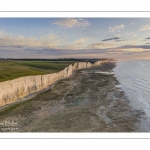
(107, 73)
(118, 86)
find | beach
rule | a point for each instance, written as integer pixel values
(89, 101)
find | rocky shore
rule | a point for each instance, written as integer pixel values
(89, 101)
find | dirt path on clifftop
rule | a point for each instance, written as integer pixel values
(89, 101)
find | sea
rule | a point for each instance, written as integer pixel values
(134, 79)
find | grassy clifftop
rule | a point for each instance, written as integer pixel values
(12, 69)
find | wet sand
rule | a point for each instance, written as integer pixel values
(89, 101)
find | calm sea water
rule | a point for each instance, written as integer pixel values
(134, 77)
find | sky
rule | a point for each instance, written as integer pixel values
(118, 38)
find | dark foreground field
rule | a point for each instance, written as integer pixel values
(12, 69)
(87, 102)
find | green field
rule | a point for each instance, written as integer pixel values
(12, 69)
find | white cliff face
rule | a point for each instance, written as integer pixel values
(11, 91)
(81, 65)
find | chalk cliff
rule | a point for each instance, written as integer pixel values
(11, 91)
(81, 65)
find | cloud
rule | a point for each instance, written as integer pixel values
(100, 45)
(114, 38)
(120, 40)
(117, 35)
(49, 36)
(130, 33)
(145, 27)
(148, 38)
(8, 40)
(133, 50)
(80, 41)
(98, 50)
(116, 28)
(70, 23)
(135, 46)
(72, 46)
(76, 45)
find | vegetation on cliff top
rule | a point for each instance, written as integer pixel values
(12, 69)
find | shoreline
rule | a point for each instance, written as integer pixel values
(136, 104)
(98, 107)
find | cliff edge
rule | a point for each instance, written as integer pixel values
(12, 90)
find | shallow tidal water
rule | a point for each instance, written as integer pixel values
(134, 78)
(89, 101)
